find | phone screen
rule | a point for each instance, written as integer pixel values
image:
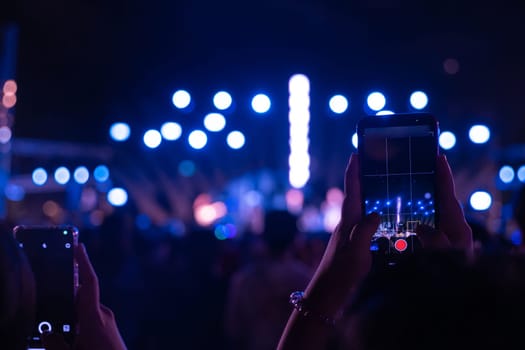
(398, 168)
(50, 251)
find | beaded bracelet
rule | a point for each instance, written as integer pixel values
(298, 301)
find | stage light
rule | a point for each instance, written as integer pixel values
(181, 99)
(62, 175)
(384, 112)
(5, 134)
(14, 192)
(226, 231)
(117, 197)
(235, 139)
(261, 103)
(119, 131)
(338, 104)
(222, 100)
(299, 84)
(299, 119)
(197, 139)
(10, 87)
(376, 101)
(81, 175)
(39, 176)
(480, 200)
(214, 122)
(479, 134)
(152, 138)
(418, 100)
(447, 140)
(171, 131)
(521, 173)
(101, 173)
(506, 174)
(354, 140)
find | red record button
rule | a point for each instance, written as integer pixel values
(401, 245)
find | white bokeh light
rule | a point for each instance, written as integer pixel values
(222, 100)
(197, 139)
(376, 101)
(338, 104)
(521, 173)
(479, 134)
(171, 131)
(119, 132)
(261, 103)
(62, 175)
(235, 139)
(447, 140)
(152, 138)
(39, 176)
(480, 200)
(214, 122)
(506, 174)
(181, 99)
(299, 84)
(81, 175)
(117, 197)
(384, 112)
(418, 100)
(354, 140)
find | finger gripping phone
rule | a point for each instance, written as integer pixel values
(397, 155)
(50, 251)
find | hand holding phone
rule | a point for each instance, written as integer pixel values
(50, 251)
(398, 156)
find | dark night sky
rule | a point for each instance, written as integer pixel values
(83, 64)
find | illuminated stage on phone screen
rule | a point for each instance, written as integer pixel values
(398, 176)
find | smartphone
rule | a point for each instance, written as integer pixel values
(398, 155)
(50, 251)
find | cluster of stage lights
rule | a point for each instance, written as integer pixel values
(213, 122)
(116, 196)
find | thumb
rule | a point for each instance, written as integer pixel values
(363, 232)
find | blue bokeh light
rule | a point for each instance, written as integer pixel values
(506, 174)
(418, 100)
(152, 138)
(214, 122)
(338, 104)
(197, 139)
(235, 139)
(479, 134)
(376, 101)
(171, 131)
(119, 132)
(101, 173)
(117, 197)
(81, 175)
(447, 140)
(181, 99)
(261, 103)
(39, 176)
(62, 175)
(222, 100)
